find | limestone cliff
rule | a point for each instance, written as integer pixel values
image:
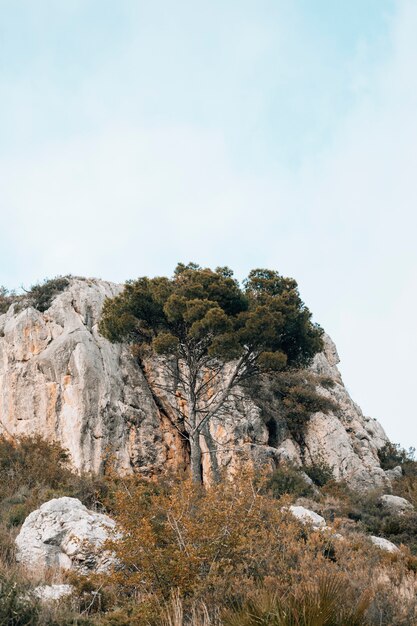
(61, 379)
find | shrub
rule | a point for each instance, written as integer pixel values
(293, 396)
(287, 479)
(325, 601)
(406, 487)
(219, 547)
(6, 299)
(40, 296)
(319, 471)
(17, 608)
(392, 454)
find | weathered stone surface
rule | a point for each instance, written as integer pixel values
(61, 379)
(394, 473)
(347, 440)
(64, 534)
(307, 516)
(52, 593)
(395, 504)
(384, 544)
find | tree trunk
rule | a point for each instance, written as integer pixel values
(196, 465)
(211, 445)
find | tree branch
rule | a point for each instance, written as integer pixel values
(224, 395)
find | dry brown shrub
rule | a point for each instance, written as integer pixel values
(222, 545)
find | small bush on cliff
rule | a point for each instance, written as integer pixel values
(40, 296)
(392, 454)
(6, 299)
(319, 471)
(287, 479)
(294, 396)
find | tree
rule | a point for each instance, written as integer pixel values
(213, 334)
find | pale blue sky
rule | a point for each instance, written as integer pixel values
(250, 133)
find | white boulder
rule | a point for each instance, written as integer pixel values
(395, 504)
(63, 533)
(384, 544)
(307, 517)
(51, 593)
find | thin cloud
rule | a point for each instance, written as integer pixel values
(133, 193)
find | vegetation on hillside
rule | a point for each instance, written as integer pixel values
(231, 554)
(39, 296)
(223, 556)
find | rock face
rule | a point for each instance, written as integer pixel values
(61, 379)
(347, 440)
(63, 533)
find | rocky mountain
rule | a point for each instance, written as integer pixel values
(61, 379)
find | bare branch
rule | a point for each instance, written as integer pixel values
(224, 395)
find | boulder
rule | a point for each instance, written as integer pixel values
(63, 533)
(51, 593)
(384, 544)
(394, 473)
(395, 504)
(307, 517)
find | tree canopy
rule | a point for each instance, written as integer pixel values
(205, 319)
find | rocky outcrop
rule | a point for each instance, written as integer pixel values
(61, 379)
(394, 473)
(348, 440)
(395, 504)
(64, 534)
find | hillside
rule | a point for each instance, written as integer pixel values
(304, 513)
(61, 379)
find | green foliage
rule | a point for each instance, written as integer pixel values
(300, 398)
(17, 608)
(322, 602)
(294, 396)
(208, 313)
(319, 471)
(40, 296)
(365, 509)
(392, 454)
(287, 479)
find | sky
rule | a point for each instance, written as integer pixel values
(248, 133)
